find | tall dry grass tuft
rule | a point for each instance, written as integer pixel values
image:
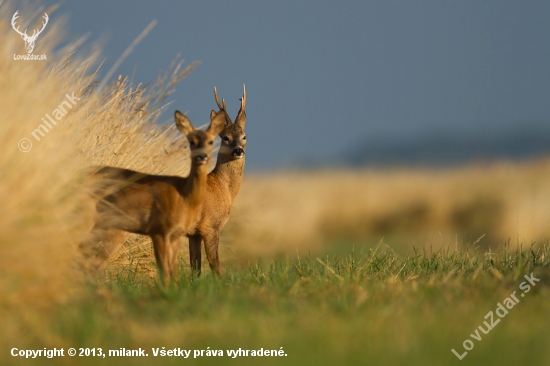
(41, 210)
(37, 188)
(120, 127)
(45, 210)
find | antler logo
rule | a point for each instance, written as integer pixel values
(29, 40)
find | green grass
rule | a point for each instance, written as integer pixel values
(372, 308)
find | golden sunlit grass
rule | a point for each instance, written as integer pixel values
(38, 187)
(284, 212)
(46, 211)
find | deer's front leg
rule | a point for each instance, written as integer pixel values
(195, 242)
(211, 241)
(162, 255)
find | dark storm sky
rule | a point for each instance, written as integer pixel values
(325, 76)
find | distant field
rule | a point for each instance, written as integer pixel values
(385, 267)
(425, 207)
(281, 214)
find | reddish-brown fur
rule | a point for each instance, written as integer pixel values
(222, 186)
(162, 207)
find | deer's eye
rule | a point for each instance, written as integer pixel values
(226, 139)
(192, 143)
(210, 142)
(244, 137)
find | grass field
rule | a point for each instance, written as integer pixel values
(362, 308)
(321, 265)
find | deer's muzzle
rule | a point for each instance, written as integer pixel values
(237, 152)
(201, 158)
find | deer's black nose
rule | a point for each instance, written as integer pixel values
(238, 152)
(201, 158)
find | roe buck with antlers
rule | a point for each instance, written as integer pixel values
(29, 40)
(162, 207)
(222, 186)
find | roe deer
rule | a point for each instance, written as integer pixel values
(222, 186)
(162, 207)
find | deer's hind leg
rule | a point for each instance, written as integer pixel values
(174, 250)
(195, 242)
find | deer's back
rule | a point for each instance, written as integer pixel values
(142, 203)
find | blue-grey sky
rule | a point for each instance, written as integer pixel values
(324, 77)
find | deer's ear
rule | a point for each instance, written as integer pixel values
(227, 119)
(183, 123)
(217, 124)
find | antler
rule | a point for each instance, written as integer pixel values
(221, 106)
(13, 19)
(241, 113)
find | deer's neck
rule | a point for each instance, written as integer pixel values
(229, 174)
(194, 188)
